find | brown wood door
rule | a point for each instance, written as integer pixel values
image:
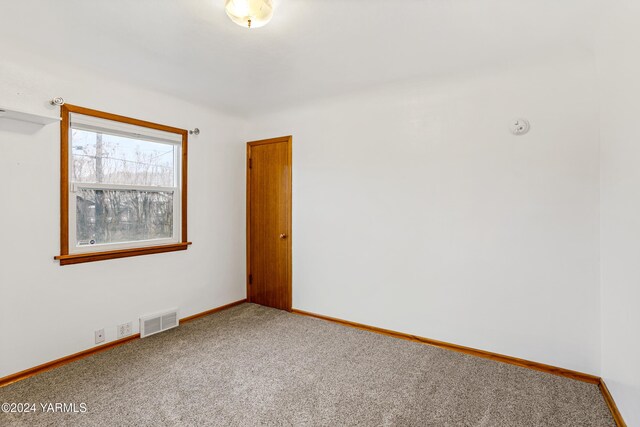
(269, 222)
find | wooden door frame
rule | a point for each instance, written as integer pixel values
(250, 144)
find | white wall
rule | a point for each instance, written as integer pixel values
(480, 238)
(619, 74)
(416, 210)
(48, 311)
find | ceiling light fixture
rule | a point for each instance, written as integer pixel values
(249, 13)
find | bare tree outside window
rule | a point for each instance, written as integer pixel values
(122, 215)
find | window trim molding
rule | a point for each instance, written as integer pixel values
(65, 256)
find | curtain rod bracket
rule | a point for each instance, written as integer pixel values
(195, 131)
(57, 101)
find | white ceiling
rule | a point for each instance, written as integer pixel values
(311, 48)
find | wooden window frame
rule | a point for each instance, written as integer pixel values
(65, 257)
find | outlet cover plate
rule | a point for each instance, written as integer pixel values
(99, 336)
(124, 330)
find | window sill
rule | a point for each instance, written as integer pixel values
(122, 253)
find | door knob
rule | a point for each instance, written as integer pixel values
(283, 236)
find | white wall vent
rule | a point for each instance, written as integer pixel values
(154, 323)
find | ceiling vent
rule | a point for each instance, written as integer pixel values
(152, 324)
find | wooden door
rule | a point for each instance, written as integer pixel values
(269, 222)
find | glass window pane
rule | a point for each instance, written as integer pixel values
(116, 216)
(109, 159)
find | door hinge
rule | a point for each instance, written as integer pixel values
(250, 279)
(250, 163)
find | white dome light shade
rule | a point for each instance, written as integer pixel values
(249, 13)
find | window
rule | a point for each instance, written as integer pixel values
(123, 187)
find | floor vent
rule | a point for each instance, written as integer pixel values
(159, 322)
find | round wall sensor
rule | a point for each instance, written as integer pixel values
(520, 126)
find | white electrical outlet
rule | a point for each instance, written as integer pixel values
(99, 336)
(124, 330)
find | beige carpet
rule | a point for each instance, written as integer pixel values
(252, 365)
